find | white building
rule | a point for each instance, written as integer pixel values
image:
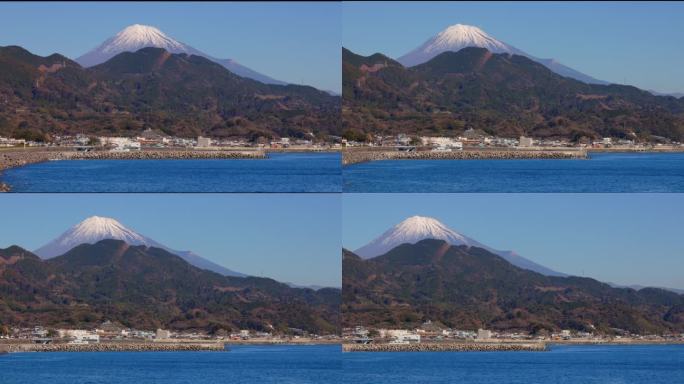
(162, 334)
(120, 143)
(526, 142)
(203, 142)
(484, 334)
(79, 336)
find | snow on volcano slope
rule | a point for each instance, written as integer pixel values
(96, 228)
(417, 228)
(459, 36)
(136, 37)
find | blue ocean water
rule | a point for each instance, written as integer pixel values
(604, 172)
(240, 365)
(562, 365)
(281, 172)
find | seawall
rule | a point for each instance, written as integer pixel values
(113, 347)
(445, 347)
(360, 156)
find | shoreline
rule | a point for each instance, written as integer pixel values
(19, 158)
(115, 347)
(447, 347)
(350, 157)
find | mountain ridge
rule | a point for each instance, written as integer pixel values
(177, 94)
(148, 288)
(500, 94)
(469, 288)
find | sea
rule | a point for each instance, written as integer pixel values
(563, 364)
(251, 364)
(286, 364)
(280, 172)
(603, 172)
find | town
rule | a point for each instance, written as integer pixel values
(153, 139)
(430, 332)
(474, 139)
(113, 332)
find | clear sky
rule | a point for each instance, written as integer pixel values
(294, 42)
(636, 43)
(289, 237)
(620, 238)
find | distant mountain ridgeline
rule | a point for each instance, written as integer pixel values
(179, 94)
(146, 288)
(501, 94)
(469, 288)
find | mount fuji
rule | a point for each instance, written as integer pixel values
(459, 36)
(136, 37)
(95, 229)
(417, 228)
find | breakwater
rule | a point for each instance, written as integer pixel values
(445, 347)
(361, 156)
(114, 347)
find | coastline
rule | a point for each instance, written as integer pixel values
(12, 158)
(353, 156)
(116, 347)
(448, 347)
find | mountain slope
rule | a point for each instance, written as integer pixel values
(417, 228)
(136, 37)
(459, 36)
(500, 94)
(95, 228)
(180, 95)
(469, 288)
(146, 288)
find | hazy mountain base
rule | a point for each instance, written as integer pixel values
(470, 288)
(147, 288)
(177, 94)
(500, 94)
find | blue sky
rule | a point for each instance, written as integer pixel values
(621, 238)
(294, 42)
(636, 43)
(290, 237)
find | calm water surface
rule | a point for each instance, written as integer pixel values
(242, 364)
(281, 172)
(561, 365)
(604, 172)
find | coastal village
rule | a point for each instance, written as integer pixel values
(108, 332)
(431, 332)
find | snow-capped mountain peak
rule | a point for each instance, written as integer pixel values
(453, 39)
(459, 36)
(417, 228)
(97, 228)
(411, 231)
(137, 36)
(90, 231)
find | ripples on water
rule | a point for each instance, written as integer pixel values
(281, 172)
(604, 172)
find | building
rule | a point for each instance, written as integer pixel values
(162, 334)
(203, 142)
(526, 142)
(484, 334)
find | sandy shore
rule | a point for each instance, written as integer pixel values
(114, 347)
(354, 156)
(20, 157)
(445, 347)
